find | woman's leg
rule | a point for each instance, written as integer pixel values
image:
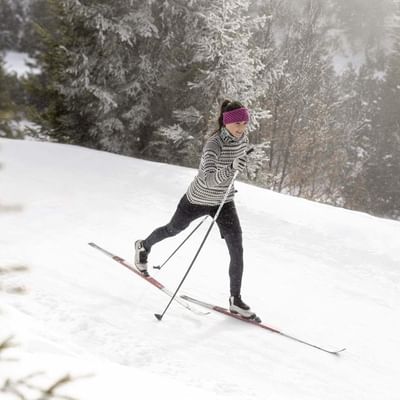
(235, 247)
(185, 213)
(229, 225)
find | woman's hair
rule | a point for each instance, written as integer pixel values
(226, 105)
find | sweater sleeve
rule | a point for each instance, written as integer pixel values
(211, 175)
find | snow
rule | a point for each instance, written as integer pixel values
(321, 273)
(16, 62)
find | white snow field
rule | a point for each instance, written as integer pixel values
(324, 274)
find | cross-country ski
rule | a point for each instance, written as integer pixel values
(147, 278)
(257, 322)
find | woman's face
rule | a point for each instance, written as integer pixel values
(237, 129)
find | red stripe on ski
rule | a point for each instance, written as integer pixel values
(123, 262)
(225, 311)
(147, 278)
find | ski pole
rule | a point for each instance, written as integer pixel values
(160, 316)
(190, 234)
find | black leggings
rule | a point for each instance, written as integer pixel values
(228, 224)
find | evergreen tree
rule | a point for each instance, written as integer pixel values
(175, 132)
(12, 19)
(304, 142)
(40, 14)
(5, 103)
(362, 22)
(141, 77)
(372, 183)
(359, 110)
(9, 97)
(229, 63)
(49, 108)
(221, 56)
(382, 169)
(98, 69)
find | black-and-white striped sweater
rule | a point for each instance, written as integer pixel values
(215, 171)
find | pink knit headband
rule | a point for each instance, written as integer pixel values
(238, 115)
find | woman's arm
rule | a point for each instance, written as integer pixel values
(211, 174)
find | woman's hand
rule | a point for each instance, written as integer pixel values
(239, 163)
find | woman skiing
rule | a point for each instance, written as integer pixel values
(224, 153)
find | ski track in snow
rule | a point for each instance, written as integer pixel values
(321, 273)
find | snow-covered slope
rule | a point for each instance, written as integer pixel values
(322, 273)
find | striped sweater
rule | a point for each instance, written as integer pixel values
(215, 171)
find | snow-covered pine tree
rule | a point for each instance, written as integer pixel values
(47, 104)
(356, 115)
(12, 21)
(114, 69)
(5, 103)
(211, 55)
(175, 133)
(382, 169)
(264, 44)
(229, 64)
(103, 87)
(362, 23)
(303, 147)
(10, 99)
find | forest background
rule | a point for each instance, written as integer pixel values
(146, 79)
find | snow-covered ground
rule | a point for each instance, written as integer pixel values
(324, 274)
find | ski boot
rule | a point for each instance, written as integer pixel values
(238, 306)
(141, 257)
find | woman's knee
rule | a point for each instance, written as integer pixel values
(174, 228)
(235, 243)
